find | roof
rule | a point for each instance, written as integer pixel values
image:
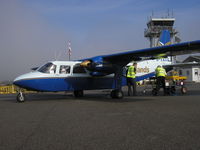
(192, 59)
(170, 21)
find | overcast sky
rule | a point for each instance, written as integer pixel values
(35, 31)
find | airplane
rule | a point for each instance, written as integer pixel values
(99, 72)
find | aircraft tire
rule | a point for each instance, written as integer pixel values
(112, 94)
(183, 90)
(78, 93)
(20, 98)
(173, 90)
(154, 92)
(117, 94)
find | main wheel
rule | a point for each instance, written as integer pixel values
(78, 93)
(183, 90)
(20, 97)
(117, 94)
(173, 90)
(167, 91)
(154, 92)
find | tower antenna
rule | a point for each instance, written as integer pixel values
(69, 50)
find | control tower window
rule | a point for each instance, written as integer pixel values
(48, 68)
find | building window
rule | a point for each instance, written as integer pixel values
(188, 72)
(180, 72)
(196, 72)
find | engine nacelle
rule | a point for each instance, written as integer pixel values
(98, 66)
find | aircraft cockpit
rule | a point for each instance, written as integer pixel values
(48, 68)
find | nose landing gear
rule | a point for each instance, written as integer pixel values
(20, 97)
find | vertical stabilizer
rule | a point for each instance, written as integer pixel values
(164, 38)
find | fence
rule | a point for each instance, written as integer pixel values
(11, 89)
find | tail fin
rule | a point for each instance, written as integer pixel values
(164, 38)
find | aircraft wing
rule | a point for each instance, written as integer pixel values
(155, 52)
(106, 63)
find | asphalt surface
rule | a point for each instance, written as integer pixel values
(97, 122)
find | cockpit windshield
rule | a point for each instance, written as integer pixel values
(48, 68)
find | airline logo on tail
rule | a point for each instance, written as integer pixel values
(164, 38)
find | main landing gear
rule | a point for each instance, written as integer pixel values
(21, 97)
(78, 93)
(117, 92)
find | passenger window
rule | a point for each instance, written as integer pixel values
(78, 69)
(64, 69)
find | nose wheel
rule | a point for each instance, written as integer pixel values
(20, 97)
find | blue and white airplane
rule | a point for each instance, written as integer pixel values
(99, 72)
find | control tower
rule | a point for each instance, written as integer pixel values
(156, 25)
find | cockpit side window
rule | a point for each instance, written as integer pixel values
(64, 69)
(78, 69)
(48, 68)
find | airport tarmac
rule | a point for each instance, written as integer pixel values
(97, 122)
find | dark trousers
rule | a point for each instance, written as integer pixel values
(160, 83)
(131, 84)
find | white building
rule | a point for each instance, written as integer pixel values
(192, 72)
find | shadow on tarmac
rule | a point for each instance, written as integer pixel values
(101, 97)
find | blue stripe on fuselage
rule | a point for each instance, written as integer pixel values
(66, 84)
(73, 83)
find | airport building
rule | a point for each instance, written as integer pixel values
(192, 72)
(155, 26)
(153, 31)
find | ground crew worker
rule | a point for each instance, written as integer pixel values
(160, 76)
(131, 82)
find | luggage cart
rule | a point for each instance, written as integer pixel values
(175, 82)
(172, 84)
(149, 85)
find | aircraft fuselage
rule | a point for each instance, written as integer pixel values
(65, 76)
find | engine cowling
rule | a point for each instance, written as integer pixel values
(97, 66)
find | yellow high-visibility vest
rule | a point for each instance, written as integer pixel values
(131, 72)
(160, 72)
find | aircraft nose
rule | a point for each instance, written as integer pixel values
(21, 80)
(27, 80)
(18, 81)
